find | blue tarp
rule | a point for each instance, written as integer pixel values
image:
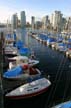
(13, 72)
(69, 40)
(51, 40)
(64, 105)
(19, 44)
(67, 105)
(43, 36)
(24, 51)
(69, 45)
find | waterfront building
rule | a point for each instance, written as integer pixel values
(69, 24)
(33, 22)
(64, 23)
(23, 19)
(19, 25)
(45, 22)
(51, 18)
(57, 20)
(38, 24)
(14, 21)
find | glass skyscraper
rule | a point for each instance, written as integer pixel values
(23, 19)
(14, 21)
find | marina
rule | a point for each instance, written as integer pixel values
(53, 64)
(35, 54)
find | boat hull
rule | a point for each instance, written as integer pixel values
(28, 95)
(23, 76)
(31, 89)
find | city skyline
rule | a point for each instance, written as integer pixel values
(35, 8)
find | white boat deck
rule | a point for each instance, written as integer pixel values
(32, 87)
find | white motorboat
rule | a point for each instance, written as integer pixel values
(10, 51)
(30, 89)
(21, 60)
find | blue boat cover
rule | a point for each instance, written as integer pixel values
(24, 50)
(13, 72)
(64, 105)
(69, 45)
(69, 40)
(51, 40)
(43, 36)
(19, 44)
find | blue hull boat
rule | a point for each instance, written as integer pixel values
(22, 73)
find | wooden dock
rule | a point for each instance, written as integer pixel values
(1, 69)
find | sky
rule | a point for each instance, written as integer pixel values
(37, 8)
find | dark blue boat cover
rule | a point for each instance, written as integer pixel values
(13, 72)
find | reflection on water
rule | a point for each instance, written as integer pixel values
(53, 63)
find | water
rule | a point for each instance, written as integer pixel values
(52, 63)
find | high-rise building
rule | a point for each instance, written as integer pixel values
(33, 22)
(45, 22)
(38, 24)
(23, 19)
(69, 24)
(51, 19)
(57, 20)
(14, 21)
(64, 22)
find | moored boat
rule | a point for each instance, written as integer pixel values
(51, 41)
(68, 52)
(30, 89)
(10, 51)
(22, 73)
(21, 60)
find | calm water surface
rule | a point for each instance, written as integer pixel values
(52, 63)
